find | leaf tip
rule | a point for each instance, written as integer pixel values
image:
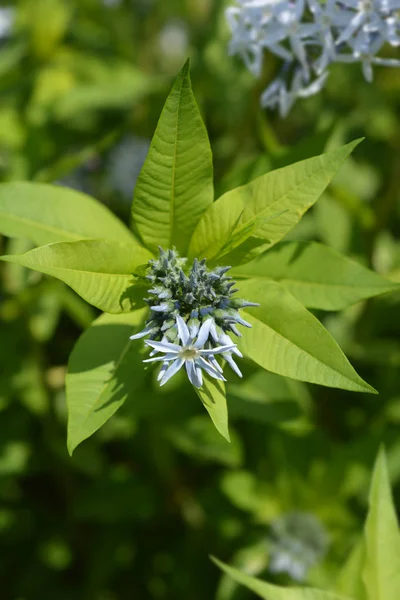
(185, 71)
(226, 436)
(352, 145)
(7, 258)
(215, 560)
(381, 458)
(71, 446)
(371, 390)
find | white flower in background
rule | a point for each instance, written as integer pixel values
(125, 163)
(327, 17)
(282, 95)
(364, 51)
(245, 40)
(7, 15)
(309, 35)
(298, 542)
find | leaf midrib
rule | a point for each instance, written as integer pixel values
(172, 202)
(43, 227)
(102, 391)
(55, 268)
(316, 283)
(281, 198)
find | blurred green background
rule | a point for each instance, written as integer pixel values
(140, 506)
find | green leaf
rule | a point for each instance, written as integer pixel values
(273, 592)
(100, 271)
(382, 562)
(175, 185)
(287, 339)
(350, 580)
(213, 396)
(316, 275)
(265, 209)
(104, 369)
(48, 213)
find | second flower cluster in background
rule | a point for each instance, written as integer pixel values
(310, 35)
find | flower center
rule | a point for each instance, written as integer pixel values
(366, 5)
(326, 20)
(189, 353)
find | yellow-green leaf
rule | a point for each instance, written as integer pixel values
(46, 213)
(287, 339)
(100, 271)
(175, 185)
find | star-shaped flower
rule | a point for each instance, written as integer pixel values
(190, 352)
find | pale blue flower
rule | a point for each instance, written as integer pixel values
(192, 311)
(125, 163)
(365, 51)
(7, 17)
(298, 542)
(282, 94)
(328, 17)
(190, 353)
(364, 16)
(245, 40)
(310, 35)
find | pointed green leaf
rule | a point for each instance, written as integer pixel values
(287, 339)
(213, 396)
(382, 539)
(46, 213)
(288, 192)
(273, 592)
(316, 275)
(100, 271)
(175, 185)
(104, 369)
(350, 577)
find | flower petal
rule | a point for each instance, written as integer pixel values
(166, 357)
(183, 330)
(164, 346)
(203, 334)
(217, 350)
(192, 373)
(213, 361)
(146, 331)
(162, 371)
(172, 370)
(201, 362)
(232, 364)
(199, 373)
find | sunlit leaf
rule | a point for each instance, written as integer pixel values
(287, 339)
(382, 539)
(104, 369)
(350, 580)
(175, 185)
(100, 271)
(265, 209)
(212, 394)
(316, 275)
(273, 592)
(46, 213)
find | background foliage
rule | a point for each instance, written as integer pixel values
(138, 508)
